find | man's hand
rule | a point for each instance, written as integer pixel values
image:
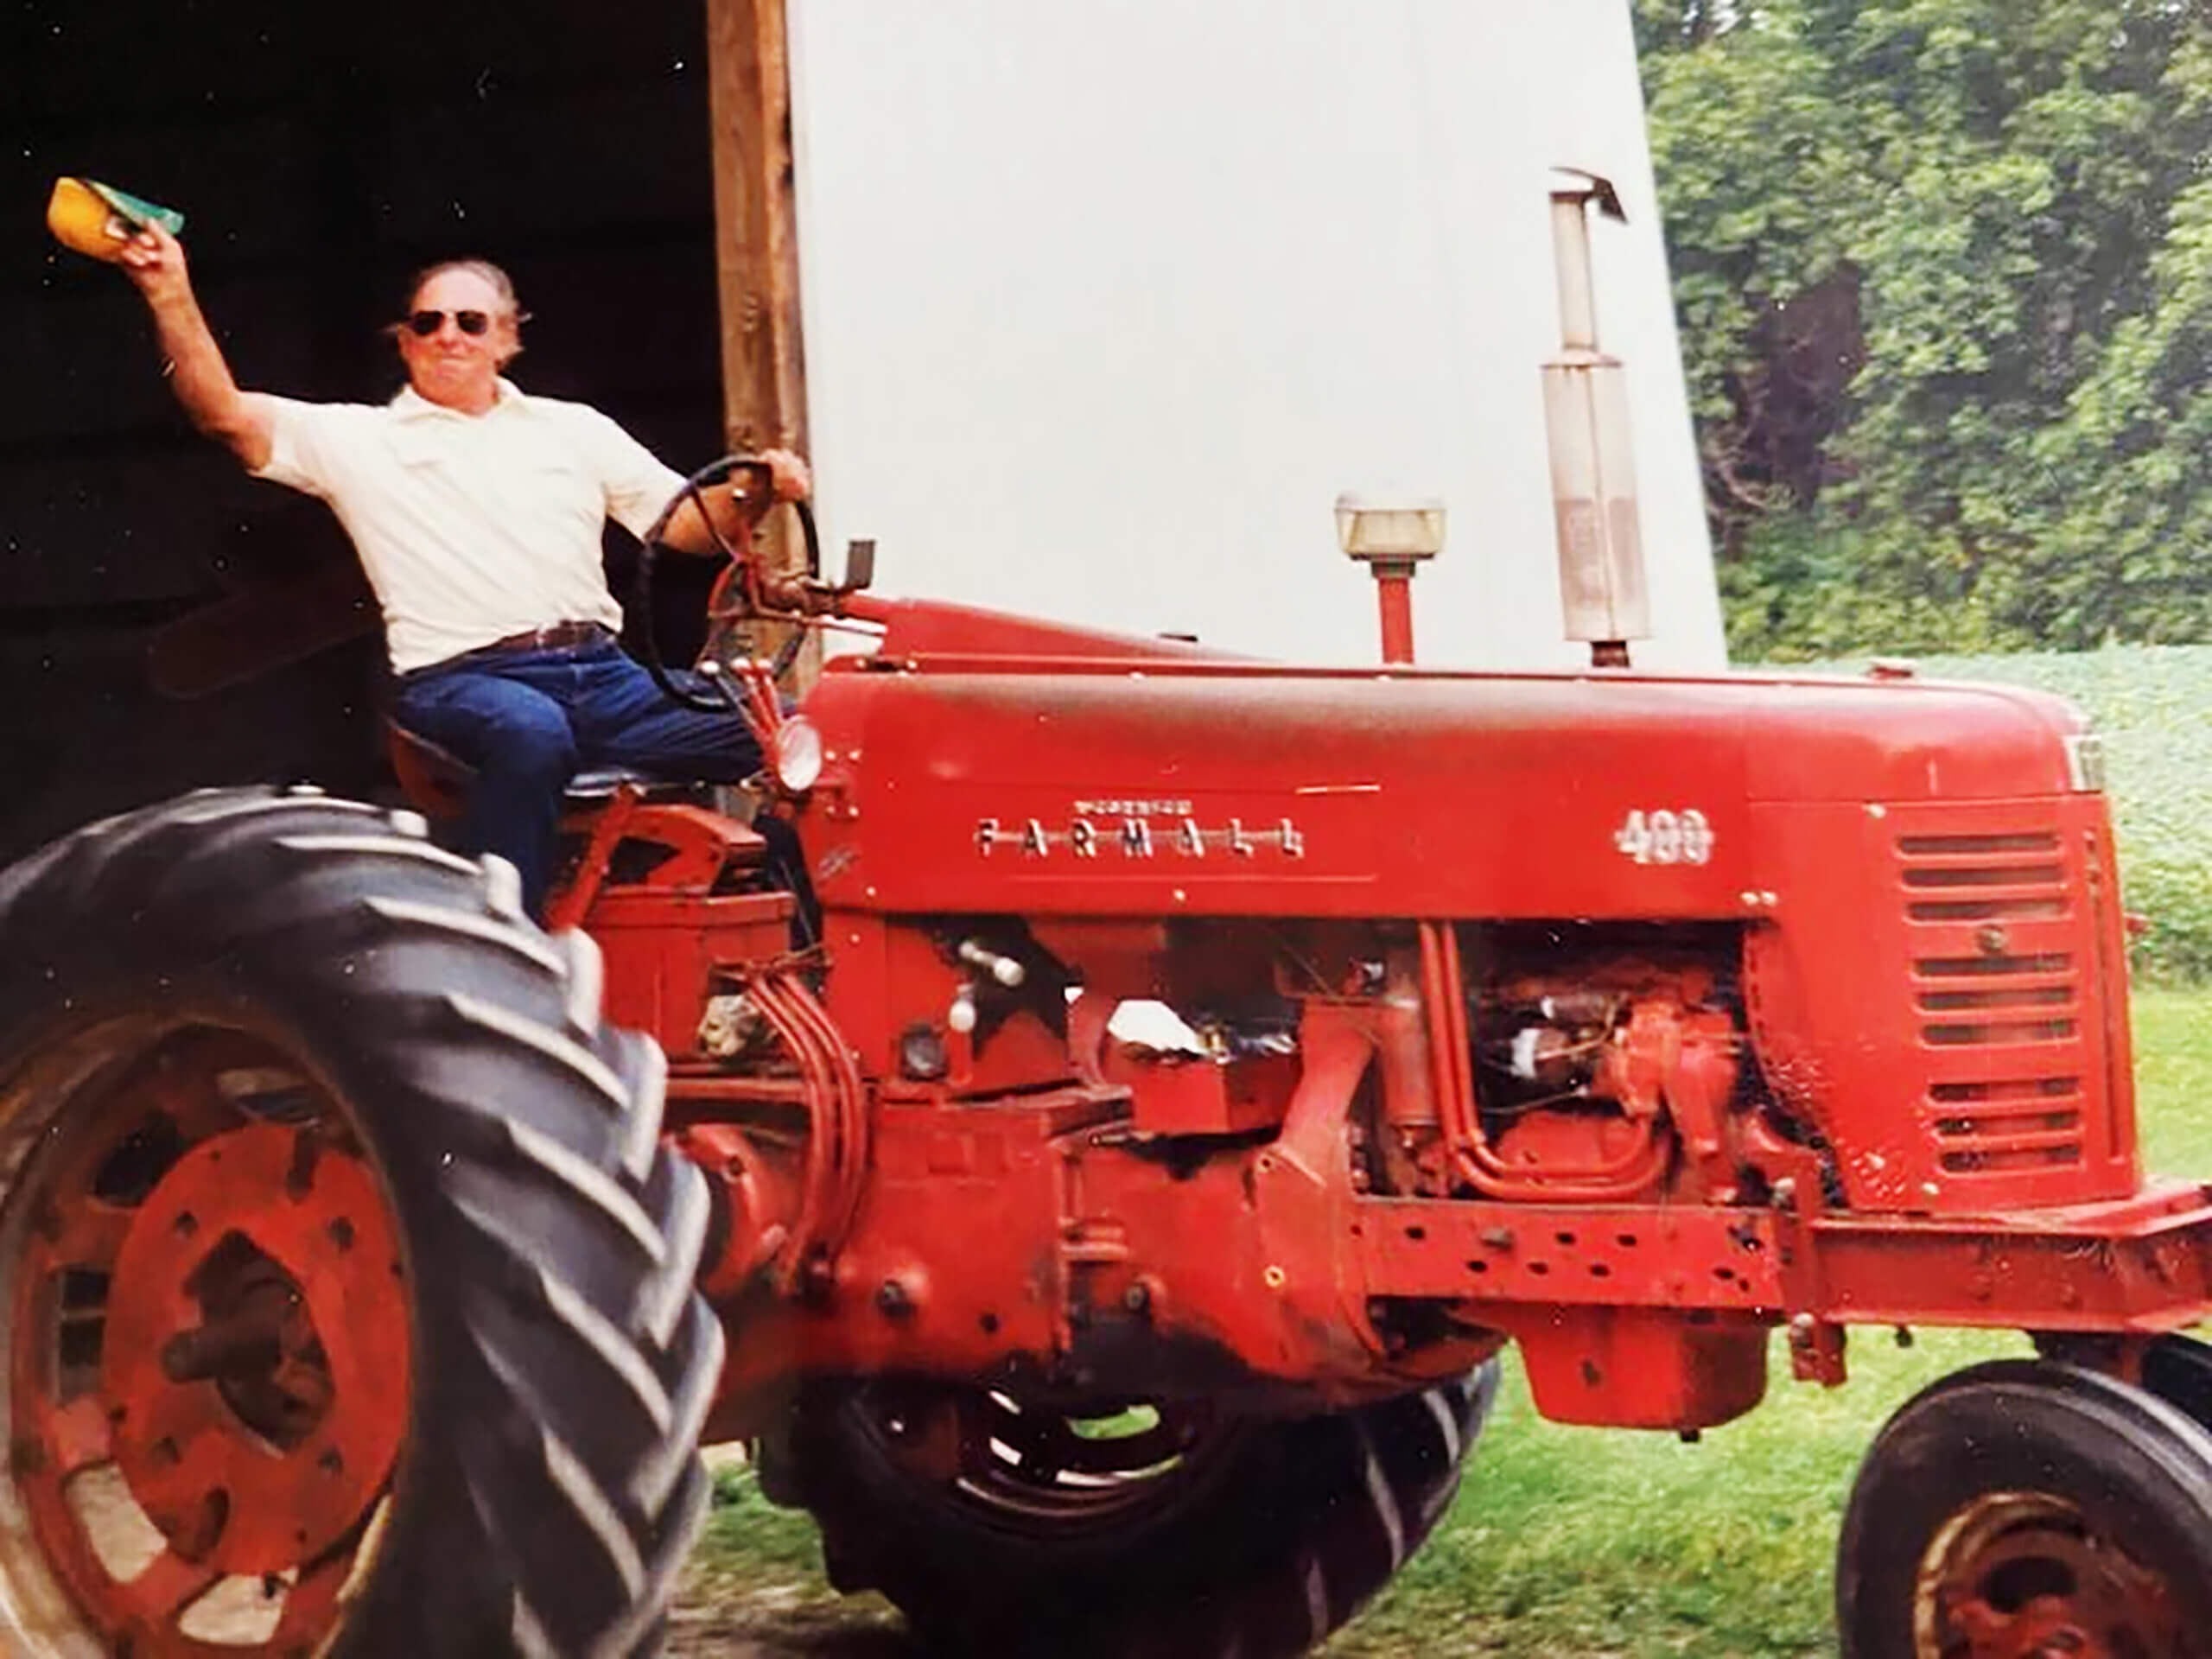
(155, 261)
(743, 506)
(789, 477)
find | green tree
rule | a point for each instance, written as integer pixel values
(1940, 267)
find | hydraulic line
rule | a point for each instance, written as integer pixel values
(1443, 997)
(837, 1139)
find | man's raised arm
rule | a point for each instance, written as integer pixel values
(154, 260)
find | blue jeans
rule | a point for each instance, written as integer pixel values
(526, 721)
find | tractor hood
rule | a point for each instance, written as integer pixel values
(1194, 785)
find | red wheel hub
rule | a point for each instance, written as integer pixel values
(210, 1377)
(2028, 1578)
(245, 1305)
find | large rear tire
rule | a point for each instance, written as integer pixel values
(1001, 1527)
(348, 1289)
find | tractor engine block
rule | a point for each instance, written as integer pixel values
(1601, 1063)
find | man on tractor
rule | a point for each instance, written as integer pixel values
(476, 511)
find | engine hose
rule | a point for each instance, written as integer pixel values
(850, 1162)
(1443, 994)
(807, 1231)
(836, 1136)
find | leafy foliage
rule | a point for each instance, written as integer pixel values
(1944, 272)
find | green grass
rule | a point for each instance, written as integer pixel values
(744, 1524)
(1578, 1543)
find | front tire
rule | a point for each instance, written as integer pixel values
(2029, 1508)
(349, 1290)
(1002, 1526)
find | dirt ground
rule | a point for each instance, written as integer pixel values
(723, 1617)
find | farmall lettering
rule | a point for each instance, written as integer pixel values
(1138, 829)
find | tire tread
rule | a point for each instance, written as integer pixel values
(470, 1049)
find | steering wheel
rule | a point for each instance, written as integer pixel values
(743, 572)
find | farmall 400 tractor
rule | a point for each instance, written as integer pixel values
(375, 1262)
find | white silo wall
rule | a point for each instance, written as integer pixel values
(1105, 302)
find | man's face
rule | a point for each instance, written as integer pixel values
(451, 366)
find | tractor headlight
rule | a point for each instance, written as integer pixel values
(799, 755)
(2085, 761)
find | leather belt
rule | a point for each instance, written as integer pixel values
(561, 634)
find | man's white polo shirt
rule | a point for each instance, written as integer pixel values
(472, 527)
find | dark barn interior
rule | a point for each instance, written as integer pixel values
(166, 621)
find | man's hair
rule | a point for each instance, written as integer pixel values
(502, 284)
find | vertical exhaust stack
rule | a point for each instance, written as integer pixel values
(1602, 597)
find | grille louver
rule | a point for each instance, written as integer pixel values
(1996, 984)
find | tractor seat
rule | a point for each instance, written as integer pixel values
(435, 779)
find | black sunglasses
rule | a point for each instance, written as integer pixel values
(426, 323)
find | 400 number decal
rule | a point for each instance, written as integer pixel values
(1667, 836)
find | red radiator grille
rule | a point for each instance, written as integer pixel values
(1996, 982)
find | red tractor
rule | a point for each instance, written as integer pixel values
(362, 1286)
(1105, 1217)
